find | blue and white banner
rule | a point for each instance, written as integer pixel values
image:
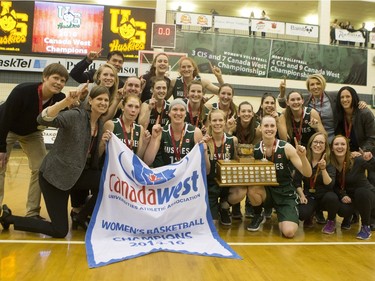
(141, 210)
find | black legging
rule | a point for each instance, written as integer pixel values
(56, 201)
(329, 202)
(363, 201)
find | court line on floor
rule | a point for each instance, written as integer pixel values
(229, 243)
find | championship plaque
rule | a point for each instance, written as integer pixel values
(237, 173)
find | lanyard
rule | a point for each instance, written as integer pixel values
(321, 103)
(127, 142)
(177, 152)
(185, 88)
(313, 179)
(298, 133)
(40, 98)
(342, 177)
(273, 150)
(191, 116)
(221, 155)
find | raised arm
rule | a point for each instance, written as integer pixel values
(217, 72)
(50, 113)
(281, 127)
(79, 73)
(113, 106)
(170, 89)
(107, 133)
(209, 86)
(154, 145)
(144, 140)
(316, 122)
(298, 158)
(198, 138)
(144, 115)
(281, 96)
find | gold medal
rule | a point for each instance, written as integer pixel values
(312, 190)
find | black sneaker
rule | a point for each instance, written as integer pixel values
(268, 213)
(346, 223)
(256, 222)
(249, 211)
(224, 216)
(6, 212)
(236, 211)
(320, 219)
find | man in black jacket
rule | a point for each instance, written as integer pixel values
(81, 75)
(18, 124)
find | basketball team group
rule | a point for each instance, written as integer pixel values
(321, 143)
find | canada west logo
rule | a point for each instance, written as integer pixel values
(146, 176)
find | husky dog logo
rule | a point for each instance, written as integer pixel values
(144, 175)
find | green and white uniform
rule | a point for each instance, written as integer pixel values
(306, 130)
(167, 154)
(179, 87)
(118, 131)
(154, 115)
(214, 190)
(283, 197)
(194, 121)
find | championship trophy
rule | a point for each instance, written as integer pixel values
(246, 171)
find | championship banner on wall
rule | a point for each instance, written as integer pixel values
(261, 57)
(72, 29)
(296, 61)
(141, 210)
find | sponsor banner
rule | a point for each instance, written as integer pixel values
(184, 18)
(345, 35)
(127, 30)
(72, 29)
(231, 23)
(268, 26)
(141, 210)
(16, 25)
(371, 37)
(37, 64)
(302, 30)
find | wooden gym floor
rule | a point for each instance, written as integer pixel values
(311, 255)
